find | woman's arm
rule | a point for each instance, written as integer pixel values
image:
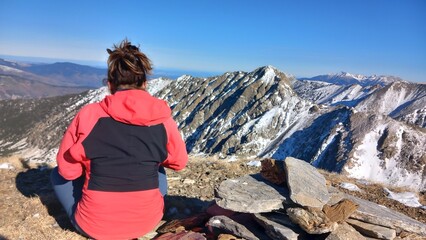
(176, 148)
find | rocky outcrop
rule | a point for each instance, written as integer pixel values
(342, 216)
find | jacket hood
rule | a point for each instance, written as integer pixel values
(136, 107)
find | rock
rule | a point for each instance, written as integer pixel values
(307, 186)
(181, 236)
(372, 230)
(187, 223)
(335, 195)
(248, 220)
(340, 211)
(408, 236)
(311, 220)
(345, 232)
(250, 194)
(215, 210)
(188, 181)
(276, 226)
(153, 232)
(273, 171)
(230, 226)
(376, 214)
(227, 237)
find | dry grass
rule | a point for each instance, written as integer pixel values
(29, 209)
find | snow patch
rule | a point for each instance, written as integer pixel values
(254, 163)
(157, 84)
(409, 199)
(269, 75)
(368, 165)
(6, 166)
(350, 187)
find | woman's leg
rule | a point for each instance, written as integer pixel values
(69, 194)
(162, 180)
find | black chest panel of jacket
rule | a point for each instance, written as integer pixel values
(123, 157)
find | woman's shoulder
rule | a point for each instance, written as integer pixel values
(91, 109)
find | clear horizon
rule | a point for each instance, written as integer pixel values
(304, 39)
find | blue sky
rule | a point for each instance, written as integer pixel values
(302, 38)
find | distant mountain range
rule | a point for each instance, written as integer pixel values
(345, 78)
(370, 131)
(24, 80)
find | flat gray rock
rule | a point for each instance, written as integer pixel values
(345, 232)
(250, 194)
(380, 215)
(372, 230)
(230, 226)
(307, 186)
(277, 226)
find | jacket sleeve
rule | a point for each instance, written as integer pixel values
(177, 156)
(68, 166)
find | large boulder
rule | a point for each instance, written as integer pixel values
(250, 194)
(307, 186)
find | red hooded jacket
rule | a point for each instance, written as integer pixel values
(118, 145)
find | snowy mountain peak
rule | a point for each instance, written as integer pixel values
(345, 78)
(358, 77)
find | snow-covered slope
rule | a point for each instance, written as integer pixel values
(156, 85)
(399, 100)
(387, 151)
(332, 94)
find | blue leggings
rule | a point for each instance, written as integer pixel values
(69, 192)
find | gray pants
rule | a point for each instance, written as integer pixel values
(69, 192)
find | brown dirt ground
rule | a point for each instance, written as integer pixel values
(29, 209)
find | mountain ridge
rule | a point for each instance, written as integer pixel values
(24, 80)
(260, 114)
(345, 78)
